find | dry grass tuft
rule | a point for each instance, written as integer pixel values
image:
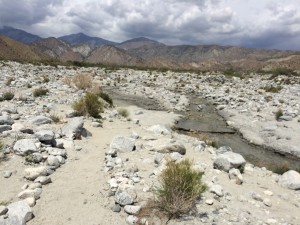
(83, 81)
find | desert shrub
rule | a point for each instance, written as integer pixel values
(123, 112)
(272, 89)
(83, 81)
(9, 80)
(107, 98)
(8, 95)
(1, 145)
(282, 71)
(278, 114)
(45, 79)
(68, 81)
(88, 105)
(180, 186)
(55, 118)
(233, 73)
(40, 92)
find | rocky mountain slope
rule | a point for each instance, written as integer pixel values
(80, 38)
(150, 53)
(19, 35)
(14, 50)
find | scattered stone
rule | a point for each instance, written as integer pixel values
(3, 210)
(30, 193)
(43, 180)
(116, 208)
(159, 129)
(209, 201)
(7, 174)
(74, 128)
(39, 120)
(45, 136)
(122, 144)
(33, 173)
(229, 160)
(217, 189)
(53, 161)
(6, 120)
(256, 197)
(235, 174)
(132, 209)
(19, 213)
(72, 113)
(267, 192)
(131, 220)
(267, 202)
(290, 179)
(25, 147)
(180, 148)
(30, 201)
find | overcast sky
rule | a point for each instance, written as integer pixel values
(248, 23)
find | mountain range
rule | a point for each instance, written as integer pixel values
(16, 44)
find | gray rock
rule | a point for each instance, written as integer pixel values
(34, 158)
(217, 189)
(56, 151)
(158, 157)
(33, 173)
(124, 198)
(122, 144)
(3, 210)
(209, 202)
(74, 128)
(6, 120)
(235, 174)
(290, 179)
(132, 209)
(286, 118)
(96, 124)
(175, 156)
(116, 208)
(159, 129)
(43, 180)
(25, 147)
(53, 161)
(256, 196)
(223, 149)
(7, 174)
(30, 201)
(229, 160)
(30, 193)
(5, 128)
(72, 113)
(267, 202)
(58, 143)
(39, 120)
(19, 213)
(45, 136)
(180, 148)
(131, 220)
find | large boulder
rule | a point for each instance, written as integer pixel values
(290, 179)
(25, 147)
(18, 213)
(122, 144)
(33, 173)
(74, 128)
(45, 136)
(229, 160)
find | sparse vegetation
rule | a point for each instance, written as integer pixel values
(40, 92)
(45, 79)
(8, 95)
(180, 186)
(89, 105)
(9, 80)
(272, 89)
(82, 81)
(278, 114)
(233, 73)
(55, 118)
(106, 98)
(29, 85)
(123, 112)
(282, 71)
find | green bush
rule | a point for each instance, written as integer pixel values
(45, 79)
(282, 71)
(180, 186)
(123, 112)
(89, 105)
(272, 89)
(8, 95)
(40, 92)
(106, 98)
(278, 114)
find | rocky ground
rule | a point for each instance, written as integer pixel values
(99, 171)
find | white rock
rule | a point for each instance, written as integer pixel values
(131, 220)
(33, 173)
(229, 160)
(25, 147)
(290, 179)
(19, 213)
(217, 189)
(132, 209)
(122, 144)
(159, 129)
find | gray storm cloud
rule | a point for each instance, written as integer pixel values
(255, 23)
